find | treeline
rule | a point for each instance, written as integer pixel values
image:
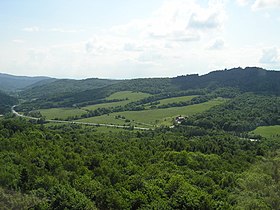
(69, 166)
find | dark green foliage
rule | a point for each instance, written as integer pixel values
(250, 79)
(6, 102)
(77, 168)
(244, 113)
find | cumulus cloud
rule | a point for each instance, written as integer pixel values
(242, 2)
(31, 29)
(177, 32)
(59, 30)
(18, 41)
(209, 22)
(218, 44)
(261, 4)
(62, 30)
(270, 56)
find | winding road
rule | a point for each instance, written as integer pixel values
(79, 123)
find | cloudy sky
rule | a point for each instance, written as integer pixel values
(132, 38)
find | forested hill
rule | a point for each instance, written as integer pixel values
(9, 83)
(64, 87)
(250, 79)
(6, 102)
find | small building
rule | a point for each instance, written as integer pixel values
(179, 119)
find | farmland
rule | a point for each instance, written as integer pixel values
(175, 100)
(269, 132)
(155, 116)
(61, 113)
(125, 96)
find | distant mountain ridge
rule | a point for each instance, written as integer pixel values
(68, 92)
(61, 87)
(11, 83)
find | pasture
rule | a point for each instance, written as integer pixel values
(176, 99)
(269, 132)
(126, 96)
(153, 117)
(61, 113)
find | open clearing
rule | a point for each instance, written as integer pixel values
(128, 97)
(154, 116)
(272, 132)
(61, 113)
(176, 99)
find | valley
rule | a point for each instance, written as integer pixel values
(189, 142)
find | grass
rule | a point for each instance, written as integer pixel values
(153, 117)
(176, 99)
(61, 113)
(270, 132)
(129, 95)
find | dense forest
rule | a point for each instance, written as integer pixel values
(210, 160)
(190, 167)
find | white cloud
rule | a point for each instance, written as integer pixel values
(270, 56)
(18, 41)
(173, 37)
(261, 4)
(59, 30)
(209, 22)
(31, 29)
(62, 30)
(218, 44)
(242, 2)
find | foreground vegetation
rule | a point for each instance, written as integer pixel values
(76, 167)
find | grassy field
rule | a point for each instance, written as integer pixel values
(272, 132)
(149, 118)
(130, 96)
(61, 113)
(175, 99)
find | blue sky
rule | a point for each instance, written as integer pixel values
(132, 38)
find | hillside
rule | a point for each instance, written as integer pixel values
(10, 83)
(64, 87)
(250, 79)
(6, 102)
(65, 93)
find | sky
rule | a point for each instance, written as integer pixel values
(131, 39)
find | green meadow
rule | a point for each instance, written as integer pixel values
(270, 132)
(61, 113)
(126, 96)
(154, 116)
(176, 99)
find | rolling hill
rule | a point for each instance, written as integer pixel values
(64, 87)
(65, 93)
(10, 83)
